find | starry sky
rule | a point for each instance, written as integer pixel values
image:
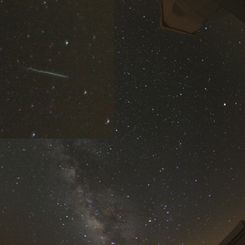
(171, 171)
(58, 71)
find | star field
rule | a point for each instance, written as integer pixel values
(173, 172)
(87, 192)
(56, 56)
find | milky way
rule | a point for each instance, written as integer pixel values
(103, 216)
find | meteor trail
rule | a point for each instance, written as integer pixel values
(49, 73)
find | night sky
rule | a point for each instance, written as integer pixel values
(171, 171)
(57, 69)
